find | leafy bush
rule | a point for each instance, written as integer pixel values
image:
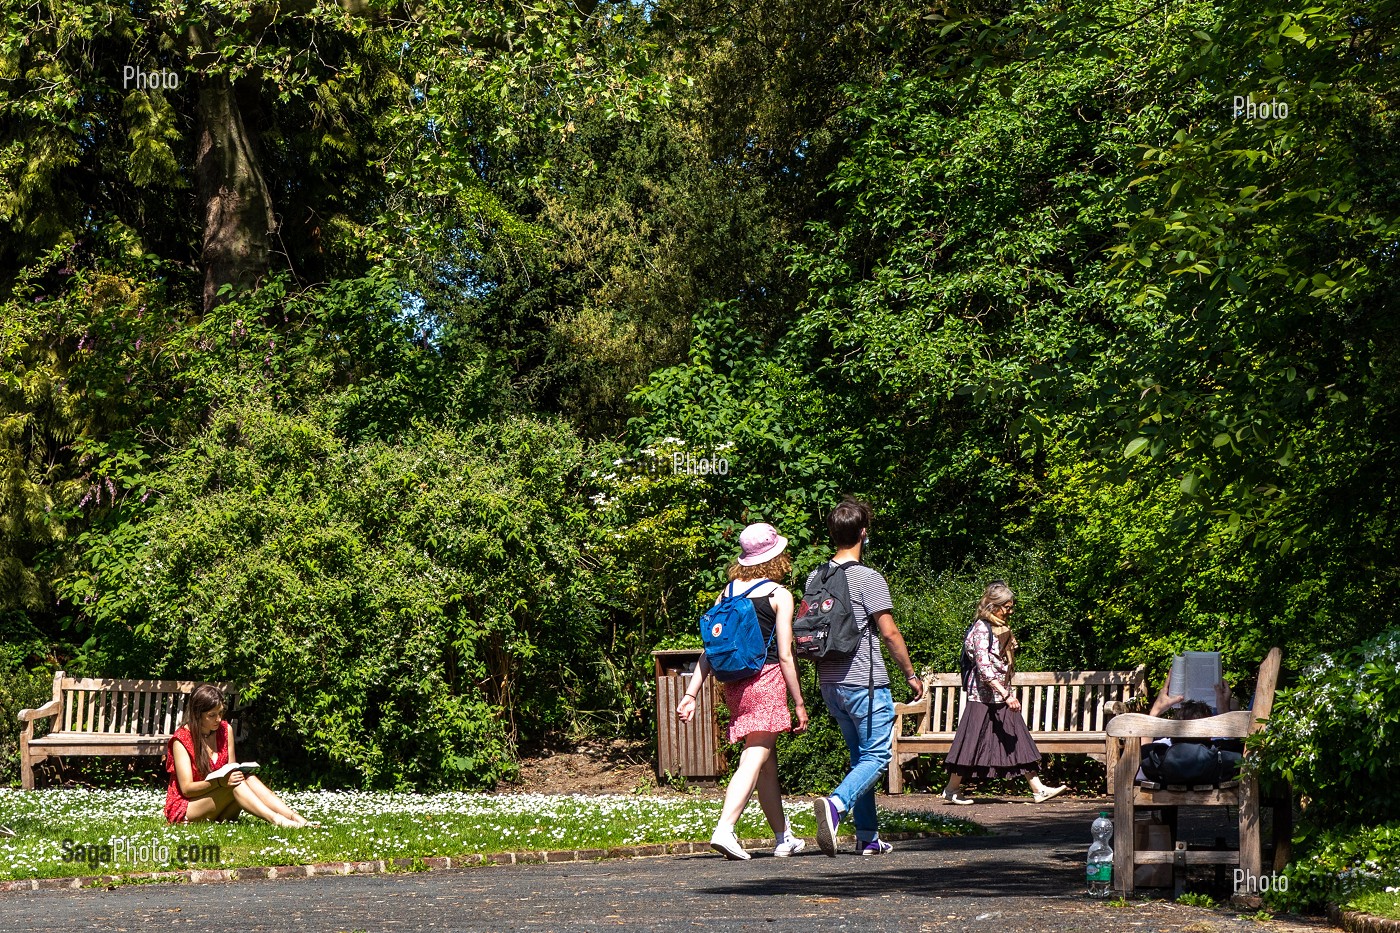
(395, 613)
(19, 689)
(1336, 735)
(815, 761)
(934, 609)
(1341, 864)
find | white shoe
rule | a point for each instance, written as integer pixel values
(1041, 797)
(793, 846)
(727, 844)
(956, 798)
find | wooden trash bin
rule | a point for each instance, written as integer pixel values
(693, 750)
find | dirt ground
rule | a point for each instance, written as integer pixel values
(613, 768)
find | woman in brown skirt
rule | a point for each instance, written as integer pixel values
(992, 740)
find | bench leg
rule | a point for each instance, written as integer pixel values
(896, 771)
(26, 769)
(1251, 859)
(1124, 845)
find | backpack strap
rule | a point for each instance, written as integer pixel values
(832, 567)
(745, 594)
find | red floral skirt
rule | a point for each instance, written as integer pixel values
(759, 704)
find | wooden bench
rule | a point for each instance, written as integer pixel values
(105, 717)
(1065, 711)
(1126, 733)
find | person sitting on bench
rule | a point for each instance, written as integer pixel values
(1189, 762)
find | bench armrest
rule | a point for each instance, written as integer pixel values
(46, 711)
(904, 709)
(923, 708)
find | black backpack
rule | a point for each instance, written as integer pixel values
(825, 625)
(966, 662)
(1185, 762)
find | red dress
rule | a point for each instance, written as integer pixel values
(177, 803)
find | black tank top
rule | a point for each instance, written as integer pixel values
(767, 620)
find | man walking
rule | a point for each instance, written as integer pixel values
(856, 686)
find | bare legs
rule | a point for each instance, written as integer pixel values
(758, 768)
(770, 796)
(273, 802)
(225, 803)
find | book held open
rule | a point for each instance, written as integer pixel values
(247, 767)
(1194, 676)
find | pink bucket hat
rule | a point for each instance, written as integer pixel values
(760, 542)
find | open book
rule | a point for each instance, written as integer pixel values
(1194, 676)
(247, 767)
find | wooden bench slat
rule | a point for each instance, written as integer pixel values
(1070, 678)
(108, 686)
(93, 716)
(1065, 711)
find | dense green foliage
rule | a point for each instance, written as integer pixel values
(379, 603)
(1019, 278)
(1340, 865)
(1336, 735)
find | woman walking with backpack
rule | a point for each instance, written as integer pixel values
(992, 739)
(758, 704)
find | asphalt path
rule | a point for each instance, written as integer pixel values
(1027, 875)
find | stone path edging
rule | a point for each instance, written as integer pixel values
(405, 865)
(1356, 922)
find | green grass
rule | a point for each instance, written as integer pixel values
(1192, 899)
(62, 833)
(1377, 904)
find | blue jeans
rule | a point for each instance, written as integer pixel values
(866, 722)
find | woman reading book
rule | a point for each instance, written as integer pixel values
(196, 758)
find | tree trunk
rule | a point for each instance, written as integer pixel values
(238, 218)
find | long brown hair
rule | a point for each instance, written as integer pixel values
(774, 568)
(204, 698)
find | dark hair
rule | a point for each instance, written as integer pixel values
(846, 522)
(1190, 709)
(204, 698)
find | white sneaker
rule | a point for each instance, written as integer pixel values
(793, 846)
(727, 844)
(1049, 792)
(956, 798)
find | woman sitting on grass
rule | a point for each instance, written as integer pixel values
(204, 743)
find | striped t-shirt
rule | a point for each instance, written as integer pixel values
(870, 596)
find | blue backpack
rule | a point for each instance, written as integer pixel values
(733, 639)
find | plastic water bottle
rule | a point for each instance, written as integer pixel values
(1100, 868)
